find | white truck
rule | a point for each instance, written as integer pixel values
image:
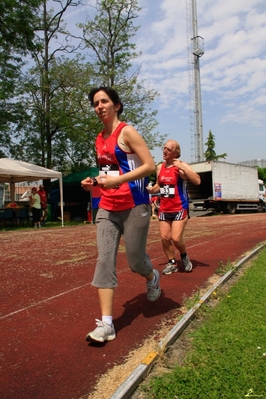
(227, 188)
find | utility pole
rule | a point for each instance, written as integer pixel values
(195, 51)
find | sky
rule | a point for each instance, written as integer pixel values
(232, 72)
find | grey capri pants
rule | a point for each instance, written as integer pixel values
(133, 224)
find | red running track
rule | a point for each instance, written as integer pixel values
(48, 304)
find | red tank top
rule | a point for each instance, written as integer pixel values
(112, 160)
(173, 189)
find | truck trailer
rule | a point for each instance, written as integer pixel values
(226, 187)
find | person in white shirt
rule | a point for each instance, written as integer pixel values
(35, 204)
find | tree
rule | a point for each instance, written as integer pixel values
(210, 154)
(32, 136)
(17, 25)
(56, 127)
(69, 138)
(108, 37)
(262, 174)
(18, 22)
(52, 27)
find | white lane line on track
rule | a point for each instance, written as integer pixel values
(45, 300)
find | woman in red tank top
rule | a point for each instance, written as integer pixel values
(125, 162)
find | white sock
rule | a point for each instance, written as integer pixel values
(107, 319)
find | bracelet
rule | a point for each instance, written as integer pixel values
(95, 183)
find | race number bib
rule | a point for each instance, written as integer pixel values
(110, 170)
(168, 191)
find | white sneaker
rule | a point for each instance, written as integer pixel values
(103, 332)
(170, 268)
(154, 290)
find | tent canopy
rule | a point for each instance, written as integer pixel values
(12, 171)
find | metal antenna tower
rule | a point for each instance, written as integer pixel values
(195, 46)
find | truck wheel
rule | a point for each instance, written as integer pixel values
(231, 208)
(260, 207)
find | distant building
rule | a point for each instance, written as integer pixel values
(22, 191)
(261, 163)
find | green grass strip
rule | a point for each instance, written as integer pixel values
(227, 358)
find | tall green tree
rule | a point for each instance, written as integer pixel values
(32, 138)
(210, 154)
(57, 126)
(18, 23)
(52, 28)
(69, 138)
(109, 38)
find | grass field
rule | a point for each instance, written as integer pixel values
(226, 357)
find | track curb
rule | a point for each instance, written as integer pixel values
(132, 382)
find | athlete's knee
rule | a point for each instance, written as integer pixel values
(177, 240)
(166, 238)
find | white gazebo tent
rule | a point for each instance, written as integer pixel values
(12, 171)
